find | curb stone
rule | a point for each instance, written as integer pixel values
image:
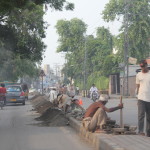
(100, 142)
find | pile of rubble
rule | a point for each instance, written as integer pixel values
(49, 115)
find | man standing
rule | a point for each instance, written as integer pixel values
(95, 116)
(3, 93)
(77, 90)
(143, 91)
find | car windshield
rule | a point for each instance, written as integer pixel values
(13, 89)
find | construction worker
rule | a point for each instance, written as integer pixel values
(95, 116)
(64, 102)
(52, 95)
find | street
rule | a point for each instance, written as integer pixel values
(19, 131)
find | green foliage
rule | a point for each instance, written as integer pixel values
(71, 34)
(100, 82)
(12, 69)
(22, 29)
(22, 33)
(73, 41)
(100, 61)
(9, 5)
(109, 65)
(138, 13)
(98, 49)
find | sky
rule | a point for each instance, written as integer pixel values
(89, 11)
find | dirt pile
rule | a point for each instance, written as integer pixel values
(53, 117)
(50, 116)
(41, 104)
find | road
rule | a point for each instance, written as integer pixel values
(18, 131)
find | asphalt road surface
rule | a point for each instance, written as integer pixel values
(18, 131)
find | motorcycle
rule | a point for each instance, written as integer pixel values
(94, 96)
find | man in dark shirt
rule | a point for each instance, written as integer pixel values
(95, 116)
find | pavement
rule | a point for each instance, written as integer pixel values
(110, 141)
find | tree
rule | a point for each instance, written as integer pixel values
(138, 13)
(73, 41)
(13, 69)
(9, 5)
(98, 48)
(22, 29)
(71, 34)
(22, 33)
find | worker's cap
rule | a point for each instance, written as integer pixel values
(103, 97)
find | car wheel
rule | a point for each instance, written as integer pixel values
(5, 103)
(23, 103)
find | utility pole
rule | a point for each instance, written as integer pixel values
(126, 47)
(85, 57)
(42, 74)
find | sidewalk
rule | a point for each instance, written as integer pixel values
(110, 141)
(116, 96)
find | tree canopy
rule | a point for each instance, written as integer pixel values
(76, 44)
(22, 29)
(9, 5)
(92, 55)
(137, 14)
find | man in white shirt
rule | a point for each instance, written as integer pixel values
(92, 89)
(143, 91)
(53, 95)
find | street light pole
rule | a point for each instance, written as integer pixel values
(126, 46)
(42, 74)
(42, 85)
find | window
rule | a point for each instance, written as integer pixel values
(13, 89)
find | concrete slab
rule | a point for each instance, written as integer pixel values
(109, 141)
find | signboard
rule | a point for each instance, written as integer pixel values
(132, 60)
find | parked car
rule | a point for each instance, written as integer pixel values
(15, 94)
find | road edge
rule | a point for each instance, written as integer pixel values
(99, 141)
